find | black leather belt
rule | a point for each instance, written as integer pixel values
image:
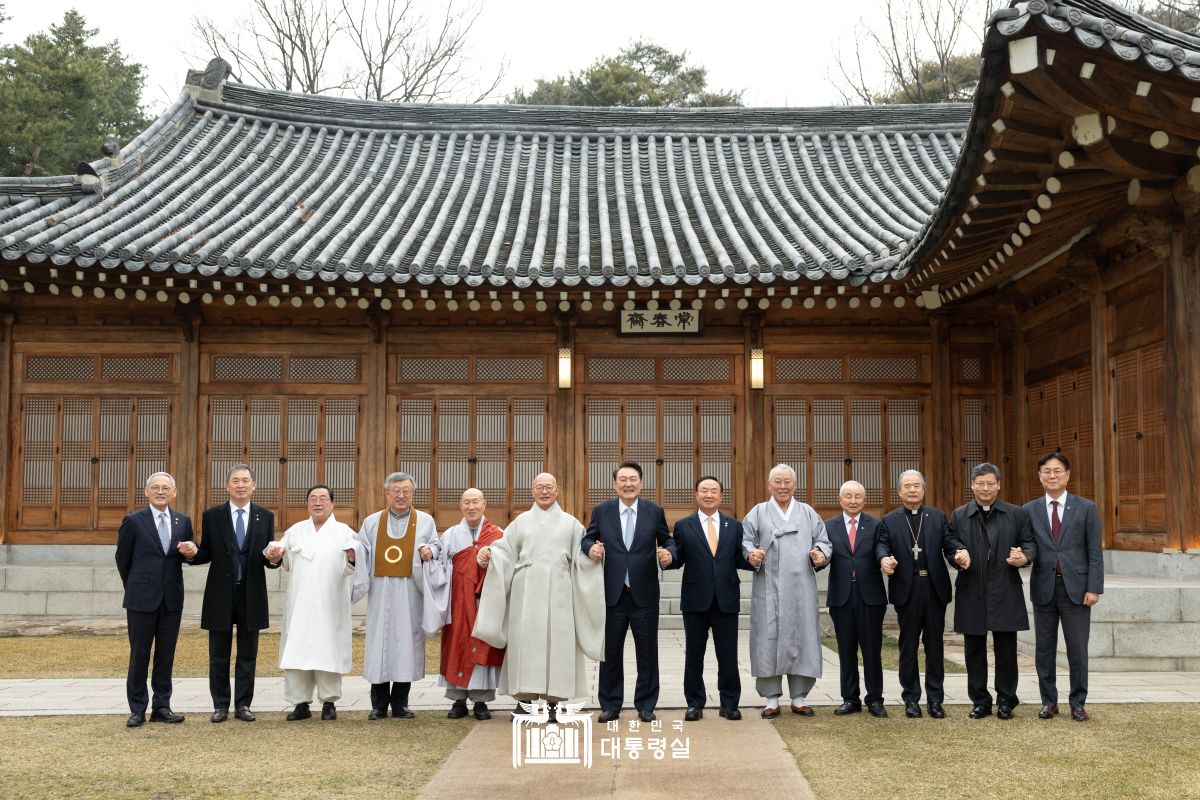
(922, 573)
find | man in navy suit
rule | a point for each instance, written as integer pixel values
(912, 542)
(1066, 581)
(709, 548)
(151, 568)
(630, 535)
(856, 600)
(236, 534)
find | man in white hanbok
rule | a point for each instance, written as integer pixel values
(785, 541)
(543, 599)
(314, 648)
(394, 576)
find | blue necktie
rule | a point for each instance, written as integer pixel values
(164, 533)
(239, 530)
(628, 535)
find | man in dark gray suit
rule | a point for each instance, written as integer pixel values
(151, 568)
(1067, 580)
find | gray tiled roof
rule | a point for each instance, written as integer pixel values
(254, 182)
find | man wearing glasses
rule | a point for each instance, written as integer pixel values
(399, 544)
(1065, 583)
(987, 592)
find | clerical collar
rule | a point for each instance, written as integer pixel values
(912, 511)
(985, 509)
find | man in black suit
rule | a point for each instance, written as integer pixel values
(1066, 581)
(709, 547)
(235, 536)
(151, 569)
(634, 535)
(856, 600)
(987, 592)
(911, 545)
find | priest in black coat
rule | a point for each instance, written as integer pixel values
(987, 593)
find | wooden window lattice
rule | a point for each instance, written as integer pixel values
(60, 368)
(247, 369)
(697, 370)
(133, 368)
(974, 411)
(434, 370)
(85, 459)
(620, 370)
(510, 369)
(675, 440)
(884, 369)
(970, 369)
(806, 370)
(323, 370)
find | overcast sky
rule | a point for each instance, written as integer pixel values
(780, 52)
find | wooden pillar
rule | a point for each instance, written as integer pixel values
(941, 459)
(1182, 345)
(1021, 466)
(1001, 423)
(564, 451)
(189, 459)
(374, 464)
(754, 430)
(1102, 421)
(6, 383)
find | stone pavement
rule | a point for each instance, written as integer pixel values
(107, 695)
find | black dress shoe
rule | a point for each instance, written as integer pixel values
(1078, 714)
(847, 708)
(165, 715)
(328, 710)
(979, 712)
(377, 713)
(481, 711)
(609, 716)
(876, 710)
(244, 714)
(220, 715)
(646, 716)
(135, 721)
(301, 711)
(403, 712)
(912, 710)
(936, 711)
(1005, 712)
(1048, 711)
(693, 714)
(771, 713)
(458, 710)
(730, 713)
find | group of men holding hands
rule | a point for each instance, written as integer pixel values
(519, 609)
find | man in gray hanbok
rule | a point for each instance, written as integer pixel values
(401, 611)
(785, 541)
(543, 599)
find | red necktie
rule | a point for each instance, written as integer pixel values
(853, 532)
(1055, 531)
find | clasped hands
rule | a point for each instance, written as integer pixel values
(1016, 557)
(596, 553)
(187, 549)
(961, 557)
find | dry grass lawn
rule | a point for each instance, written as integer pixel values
(95, 757)
(86, 655)
(1126, 751)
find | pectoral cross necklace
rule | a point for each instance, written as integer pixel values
(916, 536)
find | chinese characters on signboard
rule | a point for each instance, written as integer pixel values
(660, 321)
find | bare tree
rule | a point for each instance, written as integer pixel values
(1182, 15)
(920, 47)
(406, 58)
(373, 49)
(284, 44)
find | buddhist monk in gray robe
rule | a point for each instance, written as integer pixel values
(543, 600)
(785, 541)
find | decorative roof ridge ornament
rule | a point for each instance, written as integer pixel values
(207, 84)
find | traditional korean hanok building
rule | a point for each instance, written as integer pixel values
(330, 290)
